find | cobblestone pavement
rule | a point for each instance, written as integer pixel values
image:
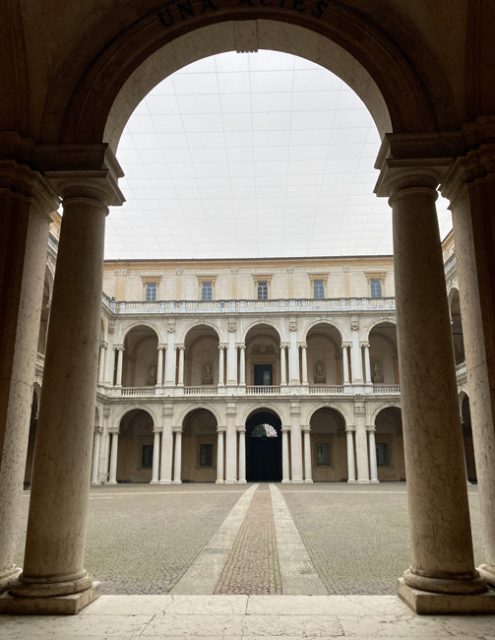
(252, 566)
(142, 539)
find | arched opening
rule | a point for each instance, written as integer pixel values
(199, 447)
(263, 447)
(457, 337)
(33, 423)
(324, 349)
(389, 445)
(383, 354)
(135, 452)
(201, 357)
(263, 357)
(140, 358)
(467, 433)
(328, 446)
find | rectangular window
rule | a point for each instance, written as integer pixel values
(150, 291)
(318, 289)
(376, 288)
(323, 454)
(262, 290)
(207, 290)
(147, 456)
(205, 455)
(382, 459)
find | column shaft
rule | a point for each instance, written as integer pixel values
(155, 472)
(178, 458)
(221, 367)
(242, 365)
(166, 455)
(304, 357)
(181, 366)
(357, 366)
(345, 362)
(296, 453)
(159, 373)
(56, 528)
(308, 470)
(367, 362)
(220, 456)
(351, 470)
(283, 365)
(436, 481)
(170, 359)
(372, 450)
(96, 458)
(120, 362)
(242, 455)
(285, 455)
(293, 358)
(114, 447)
(231, 454)
(231, 360)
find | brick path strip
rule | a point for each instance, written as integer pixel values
(299, 575)
(202, 576)
(252, 565)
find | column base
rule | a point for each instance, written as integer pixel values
(351, 482)
(55, 605)
(177, 482)
(308, 482)
(285, 481)
(230, 481)
(165, 482)
(218, 481)
(9, 576)
(487, 572)
(241, 482)
(374, 481)
(429, 603)
(154, 482)
(362, 481)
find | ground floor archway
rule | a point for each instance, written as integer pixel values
(389, 445)
(135, 453)
(199, 447)
(328, 446)
(263, 447)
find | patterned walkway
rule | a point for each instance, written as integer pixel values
(252, 566)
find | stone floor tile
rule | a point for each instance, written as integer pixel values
(463, 625)
(324, 605)
(130, 605)
(218, 626)
(99, 626)
(292, 625)
(207, 604)
(376, 626)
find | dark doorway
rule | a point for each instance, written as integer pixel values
(263, 376)
(263, 447)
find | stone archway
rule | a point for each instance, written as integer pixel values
(135, 452)
(263, 447)
(328, 446)
(199, 447)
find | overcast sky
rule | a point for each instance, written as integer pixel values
(250, 155)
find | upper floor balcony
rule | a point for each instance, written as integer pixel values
(294, 305)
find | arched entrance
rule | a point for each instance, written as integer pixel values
(328, 446)
(389, 445)
(135, 453)
(199, 447)
(263, 447)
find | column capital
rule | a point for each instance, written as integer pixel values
(370, 428)
(98, 430)
(181, 347)
(306, 428)
(25, 183)
(82, 171)
(302, 344)
(177, 429)
(241, 429)
(222, 345)
(221, 429)
(114, 430)
(286, 428)
(350, 429)
(240, 345)
(157, 430)
(365, 343)
(475, 165)
(284, 345)
(346, 345)
(163, 346)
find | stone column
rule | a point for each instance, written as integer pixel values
(231, 444)
(470, 186)
(120, 362)
(170, 359)
(155, 471)
(180, 381)
(367, 362)
(363, 473)
(167, 444)
(114, 447)
(178, 455)
(159, 375)
(283, 365)
(54, 555)
(308, 468)
(231, 354)
(220, 454)
(304, 361)
(293, 354)
(242, 365)
(221, 366)
(101, 363)
(345, 361)
(285, 454)
(25, 204)
(95, 474)
(357, 365)
(242, 454)
(372, 450)
(351, 470)
(442, 552)
(296, 444)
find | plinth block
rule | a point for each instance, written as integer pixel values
(429, 603)
(487, 572)
(53, 606)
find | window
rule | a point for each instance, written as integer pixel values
(376, 288)
(147, 456)
(262, 289)
(205, 455)
(207, 290)
(150, 291)
(382, 454)
(318, 289)
(323, 454)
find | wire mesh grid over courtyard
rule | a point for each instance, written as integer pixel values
(298, 540)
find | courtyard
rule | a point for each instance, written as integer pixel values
(255, 539)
